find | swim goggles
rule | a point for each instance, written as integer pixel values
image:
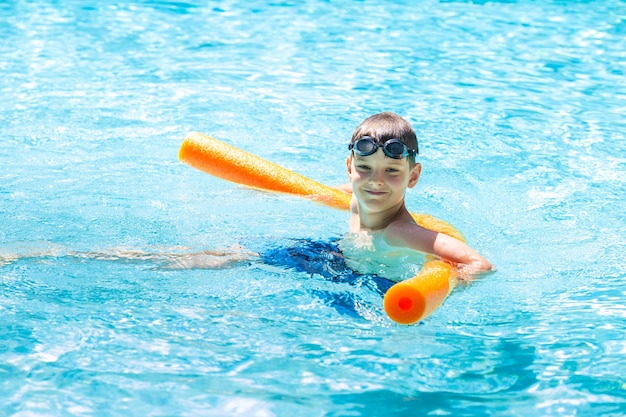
(393, 148)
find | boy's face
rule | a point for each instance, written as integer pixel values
(380, 182)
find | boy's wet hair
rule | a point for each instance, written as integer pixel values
(385, 126)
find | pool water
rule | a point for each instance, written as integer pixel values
(520, 111)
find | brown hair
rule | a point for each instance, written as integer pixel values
(385, 126)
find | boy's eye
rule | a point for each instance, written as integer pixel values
(395, 170)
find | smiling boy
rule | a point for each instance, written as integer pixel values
(381, 167)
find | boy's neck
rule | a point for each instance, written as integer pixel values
(378, 220)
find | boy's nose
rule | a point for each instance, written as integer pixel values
(377, 178)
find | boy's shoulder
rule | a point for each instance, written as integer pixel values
(405, 232)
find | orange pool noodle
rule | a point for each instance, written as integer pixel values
(416, 298)
(406, 302)
(233, 164)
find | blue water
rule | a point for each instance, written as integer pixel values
(520, 107)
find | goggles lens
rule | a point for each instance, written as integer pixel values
(393, 148)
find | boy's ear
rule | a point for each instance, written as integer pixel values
(349, 164)
(414, 176)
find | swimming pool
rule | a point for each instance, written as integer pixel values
(519, 107)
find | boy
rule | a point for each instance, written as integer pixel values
(381, 166)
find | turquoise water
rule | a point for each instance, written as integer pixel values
(520, 110)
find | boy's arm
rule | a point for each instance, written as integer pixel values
(439, 244)
(460, 253)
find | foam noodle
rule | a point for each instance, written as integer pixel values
(406, 302)
(413, 299)
(233, 164)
